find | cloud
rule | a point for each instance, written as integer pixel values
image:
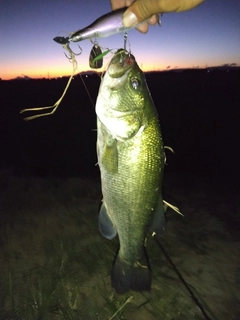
(226, 65)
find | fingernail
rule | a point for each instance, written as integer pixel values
(129, 19)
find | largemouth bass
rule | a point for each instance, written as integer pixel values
(131, 160)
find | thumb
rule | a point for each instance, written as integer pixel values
(139, 11)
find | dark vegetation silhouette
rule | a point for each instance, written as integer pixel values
(198, 112)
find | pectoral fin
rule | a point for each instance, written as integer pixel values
(106, 226)
(110, 155)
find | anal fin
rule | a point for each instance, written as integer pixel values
(158, 224)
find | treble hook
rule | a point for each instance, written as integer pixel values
(67, 47)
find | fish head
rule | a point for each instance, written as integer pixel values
(122, 97)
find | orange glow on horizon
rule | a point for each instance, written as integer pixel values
(63, 72)
(37, 74)
(52, 71)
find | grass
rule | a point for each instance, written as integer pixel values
(55, 264)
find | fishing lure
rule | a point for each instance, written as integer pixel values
(105, 26)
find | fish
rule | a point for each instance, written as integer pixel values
(131, 160)
(105, 26)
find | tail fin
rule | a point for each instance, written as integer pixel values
(135, 276)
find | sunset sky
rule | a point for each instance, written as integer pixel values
(208, 35)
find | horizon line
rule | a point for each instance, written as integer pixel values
(175, 69)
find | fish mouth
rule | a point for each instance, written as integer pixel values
(122, 62)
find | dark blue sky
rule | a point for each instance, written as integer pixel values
(208, 35)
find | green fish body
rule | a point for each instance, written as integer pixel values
(131, 161)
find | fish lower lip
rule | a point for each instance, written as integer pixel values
(118, 71)
(119, 114)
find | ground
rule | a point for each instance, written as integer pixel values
(56, 265)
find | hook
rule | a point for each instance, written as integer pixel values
(67, 47)
(159, 21)
(125, 39)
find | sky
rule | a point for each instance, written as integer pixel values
(208, 35)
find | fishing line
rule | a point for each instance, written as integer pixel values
(88, 93)
(54, 107)
(73, 60)
(182, 279)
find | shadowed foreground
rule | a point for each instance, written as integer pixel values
(55, 265)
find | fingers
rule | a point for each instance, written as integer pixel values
(141, 10)
(143, 28)
(180, 5)
(117, 4)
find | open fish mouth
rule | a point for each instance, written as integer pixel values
(121, 63)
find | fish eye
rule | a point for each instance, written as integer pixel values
(135, 83)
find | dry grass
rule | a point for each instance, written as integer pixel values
(55, 265)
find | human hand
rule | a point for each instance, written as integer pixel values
(141, 10)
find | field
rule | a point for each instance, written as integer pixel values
(54, 262)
